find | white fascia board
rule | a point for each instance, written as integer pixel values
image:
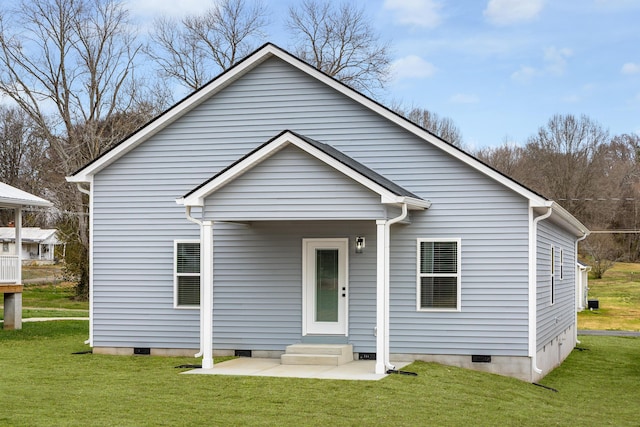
(563, 217)
(386, 196)
(409, 126)
(171, 115)
(255, 59)
(345, 170)
(561, 213)
(197, 197)
(14, 197)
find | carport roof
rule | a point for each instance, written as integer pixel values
(13, 197)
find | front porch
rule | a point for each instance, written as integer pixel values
(11, 263)
(290, 180)
(362, 370)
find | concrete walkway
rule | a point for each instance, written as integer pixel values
(259, 367)
(609, 333)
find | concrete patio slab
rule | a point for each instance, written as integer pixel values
(361, 370)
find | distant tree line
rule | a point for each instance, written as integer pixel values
(77, 79)
(594, 175)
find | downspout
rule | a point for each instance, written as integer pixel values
(533, 289)
(387, 280)
(575, 288)
(88, 193)
(199, 223)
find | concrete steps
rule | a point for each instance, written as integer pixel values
(317, 354)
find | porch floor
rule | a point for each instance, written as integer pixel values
(259, 367)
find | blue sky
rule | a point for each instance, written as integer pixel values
(499, 68)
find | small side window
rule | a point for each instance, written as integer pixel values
(187, 274)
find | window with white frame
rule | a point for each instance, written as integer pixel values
(438, 274)
(187, 273)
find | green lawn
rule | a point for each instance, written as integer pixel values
(44, 384)
(50, 300)
(619, 295)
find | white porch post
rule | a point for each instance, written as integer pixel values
(381, 332)
(18, 228)
(206, 305)
(13, 300)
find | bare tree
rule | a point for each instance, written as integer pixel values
(506, 158)
(562, 161)
(23, 160)
(444, 127)
(196, 48)
(339, 41)
(68, 65)
(603, 252)
(23, 151)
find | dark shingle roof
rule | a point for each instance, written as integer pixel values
(335, 154)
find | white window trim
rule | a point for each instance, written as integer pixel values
(175, 275)
(419, 275)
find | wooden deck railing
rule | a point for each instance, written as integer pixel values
(9, 268)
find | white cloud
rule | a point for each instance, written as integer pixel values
(556, 59)
(630, 68)
(464, 98)
(417, 13)
(524, 74)
(411, 67)
(508, 12)
(555, 63)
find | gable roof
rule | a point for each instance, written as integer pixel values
(390, 192)
(11, 196)
(269, 50)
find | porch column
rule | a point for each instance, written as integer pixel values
(13, 297)
(381, 332)
(18, 228)
(206, 304)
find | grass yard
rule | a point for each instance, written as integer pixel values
(619, 295)
(44, 384)
(50, 298)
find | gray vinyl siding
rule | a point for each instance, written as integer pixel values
(136, 220)
(554, 318)
(294, 185)
(258, 275)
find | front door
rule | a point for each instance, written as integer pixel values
(325, 286)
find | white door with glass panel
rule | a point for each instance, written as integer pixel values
(324, 286)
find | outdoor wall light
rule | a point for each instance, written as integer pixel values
(359, 244)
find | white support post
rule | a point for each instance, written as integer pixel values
(18, 228)
(381, 302)
(206, 305)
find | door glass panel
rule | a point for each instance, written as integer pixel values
(327, 285)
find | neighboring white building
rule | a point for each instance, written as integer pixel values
(15, 200)
(37, 243)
